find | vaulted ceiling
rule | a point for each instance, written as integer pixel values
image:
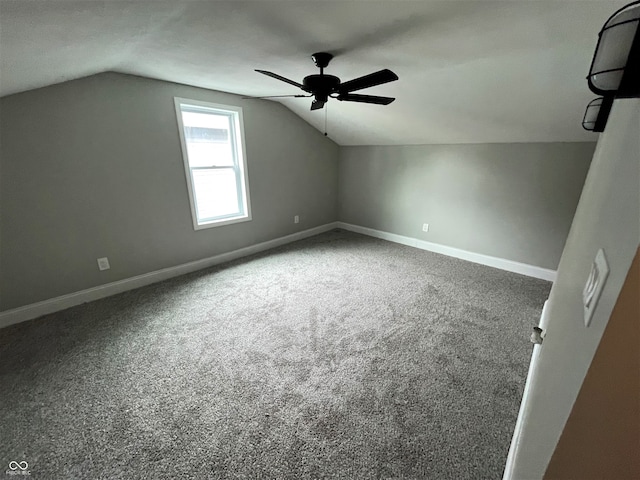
(479, 71)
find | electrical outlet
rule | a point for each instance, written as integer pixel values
(103, 263)
(425, 227)
(296, 219)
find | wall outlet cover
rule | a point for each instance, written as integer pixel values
(103, 263)
(425, 227)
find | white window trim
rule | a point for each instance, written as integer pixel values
(240, 151)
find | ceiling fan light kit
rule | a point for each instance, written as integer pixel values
(322, 86)
(597, 113)
(615, 67)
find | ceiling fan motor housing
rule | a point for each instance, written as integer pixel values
(321, 85)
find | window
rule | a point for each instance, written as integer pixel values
(212, 140)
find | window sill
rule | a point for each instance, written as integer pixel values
(221, 223)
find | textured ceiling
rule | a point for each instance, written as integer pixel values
(479, 71)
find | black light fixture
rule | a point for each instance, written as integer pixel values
(615, 68)
(597, 113)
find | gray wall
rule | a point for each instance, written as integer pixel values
(93, 168)
(512, 201)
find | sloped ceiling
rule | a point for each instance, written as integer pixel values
(478, 71)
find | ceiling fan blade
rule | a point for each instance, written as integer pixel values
(371, 80)
(352, 97)
(281, 78)
(276, 96)
(317, 104)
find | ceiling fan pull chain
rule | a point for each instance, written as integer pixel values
(326, 109)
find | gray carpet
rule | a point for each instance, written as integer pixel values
(339, 356)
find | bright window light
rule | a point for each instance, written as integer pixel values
(212, 139)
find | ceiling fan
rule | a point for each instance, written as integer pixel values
(322, 87)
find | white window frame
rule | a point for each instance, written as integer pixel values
(240, 162)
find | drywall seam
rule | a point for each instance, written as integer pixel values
(45, 307)
(501, 263)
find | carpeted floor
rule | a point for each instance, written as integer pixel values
(339, 356)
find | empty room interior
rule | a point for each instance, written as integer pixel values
(320, 239)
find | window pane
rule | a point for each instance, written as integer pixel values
(215, 192)
(208, 139)
(204, 119)
(203, 154)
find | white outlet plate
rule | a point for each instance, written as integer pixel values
(594, 286)
(296, 219)
(425, 227)
(103, 263)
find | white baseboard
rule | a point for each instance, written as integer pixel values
(34, 310)
(501, 263)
